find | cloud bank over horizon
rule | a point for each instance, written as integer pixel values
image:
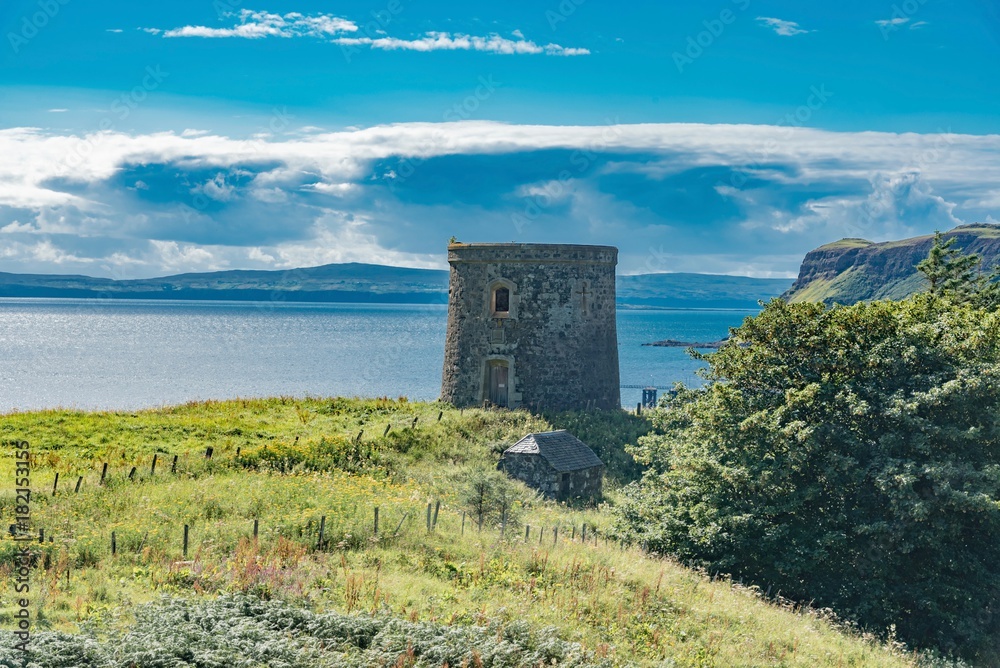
(735, 199)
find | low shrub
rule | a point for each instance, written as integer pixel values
(247, 632)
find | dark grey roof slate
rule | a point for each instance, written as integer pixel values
(561, 449)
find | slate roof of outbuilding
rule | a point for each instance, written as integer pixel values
(562, 450)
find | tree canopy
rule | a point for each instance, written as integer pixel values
(848, 456)
(959, 276)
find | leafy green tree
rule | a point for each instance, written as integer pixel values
(959, 276)
(848, 456)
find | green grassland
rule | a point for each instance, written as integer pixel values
(288, 463)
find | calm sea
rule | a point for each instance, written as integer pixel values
(134, 354)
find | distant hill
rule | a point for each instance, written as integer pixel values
(852, 270)
(697, 290)
(349, 282)
(372, 283)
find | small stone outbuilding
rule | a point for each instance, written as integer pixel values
(557, 464)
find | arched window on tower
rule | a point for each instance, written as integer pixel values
(501, 301)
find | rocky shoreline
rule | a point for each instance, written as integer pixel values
(670, 343)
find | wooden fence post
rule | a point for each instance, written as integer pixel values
(583, 534)
(255, 527)
(376, 520)
(185, 541)
(527, 532)
(555, 535)
(428, 518)
(541, 534)
(104, 472)
(440, 415)
(173, 466)
(400, 525)
(387, 428)
(208, 452)
(55, 484)
(463, 522)
(79, 481)
(437, 507)
(415, 418)
(131, 474)
(114, 544)
(572, 536)
(41, 535)
(322, 530)
(152, 468)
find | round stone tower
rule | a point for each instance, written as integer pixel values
(532, 325)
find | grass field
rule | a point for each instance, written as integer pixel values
(289, 463)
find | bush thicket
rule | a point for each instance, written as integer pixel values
(848, 456)
(246, 632)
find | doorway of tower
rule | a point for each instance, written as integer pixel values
(497, 383)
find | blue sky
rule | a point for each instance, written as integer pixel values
(728, 136)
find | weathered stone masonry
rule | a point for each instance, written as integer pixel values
(556, 344)
(557, 464)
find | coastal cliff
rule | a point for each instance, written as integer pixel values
(852, 270)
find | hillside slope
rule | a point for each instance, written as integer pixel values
(413, 591)
(357, 282)
(852, 270)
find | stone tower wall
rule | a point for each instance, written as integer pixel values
(559, 339)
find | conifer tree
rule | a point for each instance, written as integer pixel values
(949, 271)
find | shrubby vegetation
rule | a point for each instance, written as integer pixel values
(492, 499)
(848, 456)
(607, 433)
(246, 632)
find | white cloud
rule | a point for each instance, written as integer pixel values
(186, 257)
(45, 251)
(898, 21)
(57, 111)
(782, 27)
(30, 159)
(18, 228)
(258, 255)
(335, 189)
(342, 237)
(216, 188)
(898, 205)
(443, 41)
(255, 25)
(269, 195)
(873, 184)
(114, 30)
(259, 24)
